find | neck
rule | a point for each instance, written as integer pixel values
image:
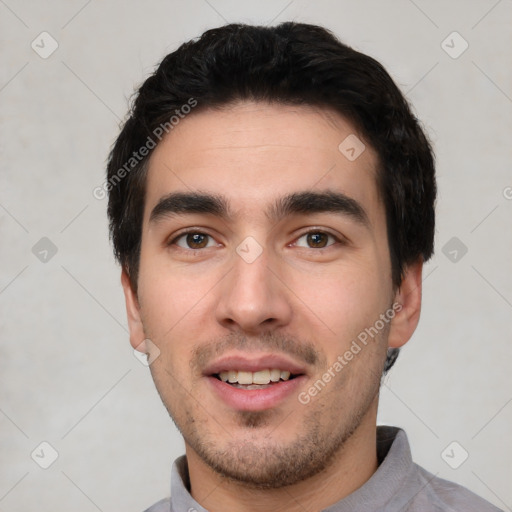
(353, 465)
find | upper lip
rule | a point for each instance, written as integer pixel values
(253, 363)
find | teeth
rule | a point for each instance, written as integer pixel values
(245, 377)
(261, 377)
(275, 375)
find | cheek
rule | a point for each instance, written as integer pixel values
(172, 302)
(173, 317)
(347, 299)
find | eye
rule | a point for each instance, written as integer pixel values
(194, 240)
(316, 240)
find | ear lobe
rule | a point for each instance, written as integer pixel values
(133, 313)
(408, 296)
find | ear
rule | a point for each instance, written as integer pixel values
(408, 296)
(137, 336)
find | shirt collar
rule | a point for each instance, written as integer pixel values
(385, 485)
(395, 463)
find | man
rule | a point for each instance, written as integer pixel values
(272, 204)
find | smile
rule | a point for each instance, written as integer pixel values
(259, 378)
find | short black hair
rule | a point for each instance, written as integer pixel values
(292, 64)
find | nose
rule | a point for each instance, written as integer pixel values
(252, 297)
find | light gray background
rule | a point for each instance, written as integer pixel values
(68, 374)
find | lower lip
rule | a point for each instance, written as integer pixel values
(256, 399)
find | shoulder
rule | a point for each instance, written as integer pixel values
(441, 495)
(161, 506)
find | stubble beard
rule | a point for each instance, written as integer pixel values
(260, 462)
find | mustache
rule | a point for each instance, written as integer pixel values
(273, 342)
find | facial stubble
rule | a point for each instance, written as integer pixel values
(259, 459)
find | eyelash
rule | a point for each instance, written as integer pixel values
(184, 234)
(337, 240)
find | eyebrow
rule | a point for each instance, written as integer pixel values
(179, 202)
(318, 202)
(302, 203)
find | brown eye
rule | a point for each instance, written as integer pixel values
(197, 240)
(194, 240)
(317, 240)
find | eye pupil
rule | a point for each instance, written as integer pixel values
(197, 240)
(317, 239)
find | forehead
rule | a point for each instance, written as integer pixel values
(254, 153)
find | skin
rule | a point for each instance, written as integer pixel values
(308, 303)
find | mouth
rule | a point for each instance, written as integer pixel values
(255, 382)
(261, 379)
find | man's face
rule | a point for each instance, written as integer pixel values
(274, 256)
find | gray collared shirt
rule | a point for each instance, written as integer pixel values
(398, 485)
